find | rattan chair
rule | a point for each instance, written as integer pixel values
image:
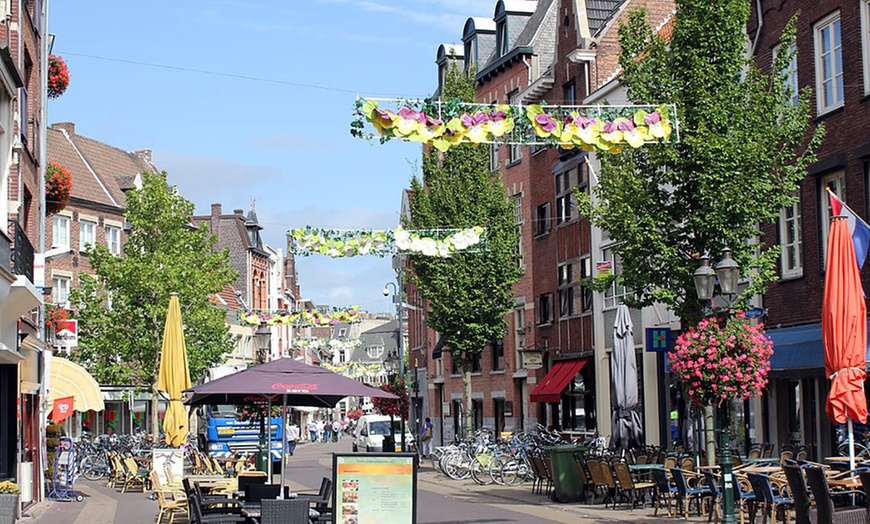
(633, 491)
(774, 504)
(797, 487)
(665, 492)
(284, 511)
(825, 510)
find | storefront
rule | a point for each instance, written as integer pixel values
(566, 397)
(68, 379)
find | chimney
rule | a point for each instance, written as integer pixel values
(69, 127)
(215, 210)
(144, 154)
(238, 212)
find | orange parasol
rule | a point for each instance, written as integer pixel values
(844, 328)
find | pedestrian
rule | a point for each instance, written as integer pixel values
(292, 437)
(320, 428)
(327, 431)
(426, 438)
(336, 430)
(312, 431)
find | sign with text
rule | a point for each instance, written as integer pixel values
(659, 339)
(374, 488)
(67, 334)
(532, 360)
(604, 268)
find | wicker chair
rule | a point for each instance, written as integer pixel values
(825, 503)
(774, 504)
(632, 490)
(755, 451)
(284, 511)
(665, 492)
(797, 486)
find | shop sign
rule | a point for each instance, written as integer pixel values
(533, 360)
(67, 334)
(375, 487)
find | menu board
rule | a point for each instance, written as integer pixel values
(375, 488)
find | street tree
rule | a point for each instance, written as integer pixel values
(122, 308)
(743, 148)
(469, 293)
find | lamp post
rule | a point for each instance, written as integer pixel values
(397, 299)
(727, 271)
(263, 338)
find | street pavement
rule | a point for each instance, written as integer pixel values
(439, 499)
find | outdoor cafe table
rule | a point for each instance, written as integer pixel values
(252, 510)
(760, 460)
(846, 483)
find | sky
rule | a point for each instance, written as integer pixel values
(251, 101)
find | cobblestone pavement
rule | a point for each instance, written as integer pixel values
(439, 500)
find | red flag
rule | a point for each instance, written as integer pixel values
(63, 407)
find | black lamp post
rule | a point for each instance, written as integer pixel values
(263, 338)
(727, 271)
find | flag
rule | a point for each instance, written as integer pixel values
(859, 229)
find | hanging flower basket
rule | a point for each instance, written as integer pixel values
(58, 76)
(58, 187)
(722, 361)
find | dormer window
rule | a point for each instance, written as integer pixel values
(501, 38)
(470, 54)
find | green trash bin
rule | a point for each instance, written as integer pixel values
(567, 483)
(262, 456)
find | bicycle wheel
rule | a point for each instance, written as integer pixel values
(458, 466)
(93, 467)
(480, 469)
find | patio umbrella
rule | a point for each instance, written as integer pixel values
(844, 331)
(626, 427)
(174, 376)
(293, 383)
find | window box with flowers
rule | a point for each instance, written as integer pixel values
(58, 187)
(9, 495)
(58, 76)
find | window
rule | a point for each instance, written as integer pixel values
(565, 184)
(520, 329)
(475, 363)
(615, 294)
(60, 231)
(493, 157)
(791, 75)
(87, 234)
(837, 182)
(518, 220)
(375, 351)
(498, 355)
(59, 290)
(569, 94)
(113, 240)
(342, 356)
(566, 289)
(545, 309)
(865, 42)
(470, 54)
(790, 241)
(542, 219)
(515, 151)
(829, 64)
(501, 36)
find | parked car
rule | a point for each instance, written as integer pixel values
(371, 430)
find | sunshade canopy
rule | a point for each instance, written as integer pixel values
(173, 376)
(68, 379)
(550, 389)
(626, 427)
(303, 385)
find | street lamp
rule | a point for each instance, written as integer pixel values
(263, 337)
(727, 271)
(397, 299)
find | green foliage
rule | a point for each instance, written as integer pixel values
(163, 253)
(743, 150)
(470, 293)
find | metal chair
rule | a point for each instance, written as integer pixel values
(715, 494)
(665, 492)
(825, 502)
(284, 511)
(745, 500)
(773, 502)
(686, 493)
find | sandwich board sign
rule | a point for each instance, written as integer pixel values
(67, 334)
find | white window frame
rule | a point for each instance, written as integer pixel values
(375, 351)
(616, 293)
(832, 24)
(791, 72)
(113, 239)
(86, 239)
(865, 42)
(60, 288)
(837, 182)
(60, 226)
(790, 222)
(517, 201)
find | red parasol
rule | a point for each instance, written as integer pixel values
(844, 328)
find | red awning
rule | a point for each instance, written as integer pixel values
(550, 389)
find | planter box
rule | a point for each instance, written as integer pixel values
(8, 508)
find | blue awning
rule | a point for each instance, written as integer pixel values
(798, 347)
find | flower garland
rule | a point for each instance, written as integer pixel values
(355, 370)
(591, 128)
(720, 362)
(333, 344)
(58, 187)
(348, 243)
(308, 317)
(58, 76)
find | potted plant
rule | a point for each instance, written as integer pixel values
(58, 187)
(9, 495)
(58, 76)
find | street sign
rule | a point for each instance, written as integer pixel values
(659, 339)
(67, 334)
(754, 312)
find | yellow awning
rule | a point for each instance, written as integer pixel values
(69, 379)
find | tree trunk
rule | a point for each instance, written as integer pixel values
(469, 412)
(709, 435)
(155, 428)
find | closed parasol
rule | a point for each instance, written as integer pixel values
(174, 376)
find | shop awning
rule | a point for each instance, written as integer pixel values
(69, 379)
(550, 389)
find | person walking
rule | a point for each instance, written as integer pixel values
(426, 438)
(336, 430)
(320, 427)
(312, 431)
(292, 437)
(327, 431)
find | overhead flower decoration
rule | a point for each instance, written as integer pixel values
(58, 187)
(333, 344)
(592, 128)
(58, 76)
(356, 370)
(347, 243)
(722, 361)
(308, 317)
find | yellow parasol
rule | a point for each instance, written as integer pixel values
(174, 377)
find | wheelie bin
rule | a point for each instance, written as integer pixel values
(567, 483)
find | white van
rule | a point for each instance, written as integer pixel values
(370, 432)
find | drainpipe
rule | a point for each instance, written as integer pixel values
(42, 141)
(758, 29)
(529, 72)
